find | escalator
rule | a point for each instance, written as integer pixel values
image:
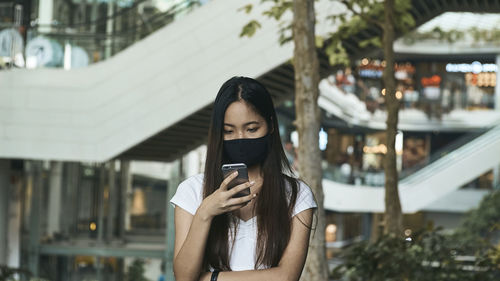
(349, 108)
(441, 176)
(151, 101)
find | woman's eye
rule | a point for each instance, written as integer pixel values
(227, 132)
(253, 130)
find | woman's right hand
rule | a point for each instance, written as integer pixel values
(222, 201)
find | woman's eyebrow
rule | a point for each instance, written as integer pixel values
(245, 124)
(251, 123)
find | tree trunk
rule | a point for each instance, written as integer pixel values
(393, 214)
(308, 123)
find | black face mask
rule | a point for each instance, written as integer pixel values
(248, 151)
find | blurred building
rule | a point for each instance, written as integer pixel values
(104, 108)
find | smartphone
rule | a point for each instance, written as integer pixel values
(242, 177)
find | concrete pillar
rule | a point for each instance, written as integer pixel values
(497, 86)
(109, 29)
(36, 170)
(4, 205)
(496, 177)
(175, 179)
(340, 227)
(45, 15)
(112, 201)
(93, 15)
(72, 197)
(126, 191)
(55, 189)
(14, 220)
(366, 225)
(100, 203)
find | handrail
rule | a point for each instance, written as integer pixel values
(438, 154)
(457, 154)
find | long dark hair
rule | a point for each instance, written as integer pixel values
(275, 202)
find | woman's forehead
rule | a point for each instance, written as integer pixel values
(241, 112)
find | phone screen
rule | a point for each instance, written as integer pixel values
(242, 177)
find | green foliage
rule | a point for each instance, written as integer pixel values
(7, 273)
(374, 41)
(337, 55)
(135, 271)
(451, 36)
(248, 8)
(366, 13)
(275, 12)
(250, 28)
(432, 255)
(481, 225)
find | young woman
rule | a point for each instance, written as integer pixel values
(261, 236)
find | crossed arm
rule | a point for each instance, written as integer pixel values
(191, 234)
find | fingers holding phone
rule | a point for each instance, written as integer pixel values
(233, 193)
(241, 178)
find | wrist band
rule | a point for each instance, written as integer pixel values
(215, 274)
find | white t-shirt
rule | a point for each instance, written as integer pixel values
(242, 256)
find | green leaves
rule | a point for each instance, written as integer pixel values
(247, 8)
(250, 28)
(278, 9)
(432, 255)
(374, 41)
(337, 55)
(452, 36)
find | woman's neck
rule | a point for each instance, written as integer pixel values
(254, 173)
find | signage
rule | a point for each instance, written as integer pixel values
(474, 67)
(432, 81)
(375, 69)
(483, 79)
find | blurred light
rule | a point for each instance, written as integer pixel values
(294, 137)
(350, 150)
(138, 203)
(408, 239)
(365, 61)
(474, 67)
(31, 62)
(399, 142)
(93, 226)
(399, 95)
(330, 233)
(408, 232)
(67, 56)
(331, 228)
(384, 63)
(381, 148)
(323, 139)
(383, 92)
(19, 60)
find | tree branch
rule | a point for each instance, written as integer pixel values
(361, 14)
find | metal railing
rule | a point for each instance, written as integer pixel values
(454, 152)
(94, 39)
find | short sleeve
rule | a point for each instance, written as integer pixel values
(305, 199)
(189, 194)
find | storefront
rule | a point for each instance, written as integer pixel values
(435, 87)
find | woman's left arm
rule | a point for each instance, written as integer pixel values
(291, 263)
